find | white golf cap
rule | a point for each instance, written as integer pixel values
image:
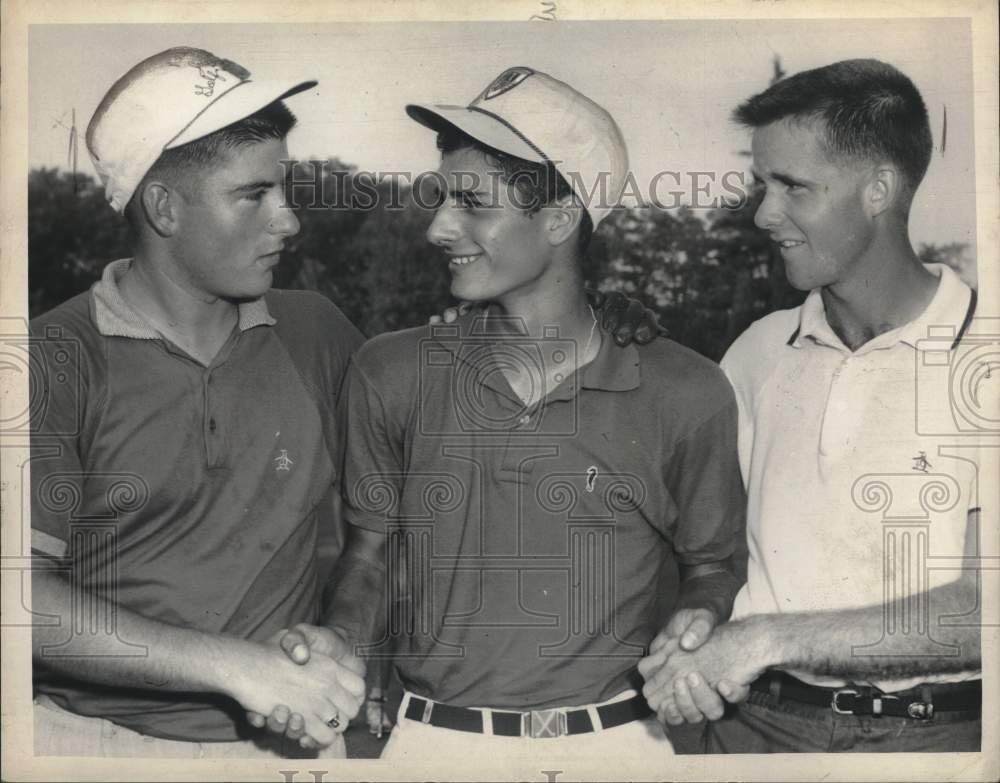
(528, 114)
(168, 100)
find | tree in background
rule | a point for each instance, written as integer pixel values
(708, 274)
(953, 254)
(72, 234)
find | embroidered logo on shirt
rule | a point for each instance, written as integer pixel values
(284, 461)
(591, 477)
(920, 462)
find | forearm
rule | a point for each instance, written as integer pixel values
(354, 596)
(854, 644)
(160, 656)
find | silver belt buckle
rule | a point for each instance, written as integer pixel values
(544, 724)
(837, 694)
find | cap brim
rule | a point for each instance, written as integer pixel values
(480, 125)
(236, 104)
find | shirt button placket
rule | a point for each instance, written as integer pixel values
(835, 417)
(211, 437)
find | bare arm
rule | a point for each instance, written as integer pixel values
(706, 599)
(258, 675)
(175, 659)
(840, 643)
(354, 595)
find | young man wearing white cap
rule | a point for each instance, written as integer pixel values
(197, 427)
(548, 486)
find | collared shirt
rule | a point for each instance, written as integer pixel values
(859, 466)
(190, 494)
(541, 546)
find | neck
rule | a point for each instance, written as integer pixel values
(154, 287)
(564, 307)
(888, 288)
(557, 299)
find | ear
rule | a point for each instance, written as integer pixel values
(159, 207)
(562, 218)
(884, 189)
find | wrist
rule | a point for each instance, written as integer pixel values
(349, 638)
(238, 664)
(763, 645)
(712, 592)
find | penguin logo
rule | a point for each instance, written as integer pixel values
(591, 477)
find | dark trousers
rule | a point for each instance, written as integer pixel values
(764, 724)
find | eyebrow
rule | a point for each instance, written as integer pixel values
(784, 179)
(468, 192)
(261, 184)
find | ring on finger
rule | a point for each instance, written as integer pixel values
(334, 722)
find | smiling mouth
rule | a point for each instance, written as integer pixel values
(788, 244)
(458, 261)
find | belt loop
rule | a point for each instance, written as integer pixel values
(428, 709)
(595, 718)
(487, 721)
(775, 685)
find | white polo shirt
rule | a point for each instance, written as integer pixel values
(860, 471)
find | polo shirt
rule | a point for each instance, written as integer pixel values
(190, 494)
(860, 469)
(537, 549)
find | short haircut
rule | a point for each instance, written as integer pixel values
(537, 184)
(869, 110)
(174, 165)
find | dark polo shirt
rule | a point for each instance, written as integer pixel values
(539, 548)
(205, 485)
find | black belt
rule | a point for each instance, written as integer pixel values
(555, 722)
(919, 703)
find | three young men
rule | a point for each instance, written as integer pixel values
(849, 635)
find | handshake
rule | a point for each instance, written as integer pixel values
(306, 683)
(692, 666)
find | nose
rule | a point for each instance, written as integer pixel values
(443, 230)
(768, 214)
(284, 222)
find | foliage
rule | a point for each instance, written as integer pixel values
(72, 234)
(953, 254)
(707, 275)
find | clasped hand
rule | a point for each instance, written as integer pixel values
(343, 687)
(692, 667)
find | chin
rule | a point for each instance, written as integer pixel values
(802, 279)
(248, 292)
(468, 292)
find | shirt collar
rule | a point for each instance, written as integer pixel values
(948, 312)
(615, 368)
(114, 317)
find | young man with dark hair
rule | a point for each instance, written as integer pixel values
(193, 424)
(561, 499)
(844, 637)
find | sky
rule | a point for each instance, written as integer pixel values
(671, 85)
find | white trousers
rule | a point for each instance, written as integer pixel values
(59, 732)
(626, 748)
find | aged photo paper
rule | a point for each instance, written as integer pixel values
(670, 73)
